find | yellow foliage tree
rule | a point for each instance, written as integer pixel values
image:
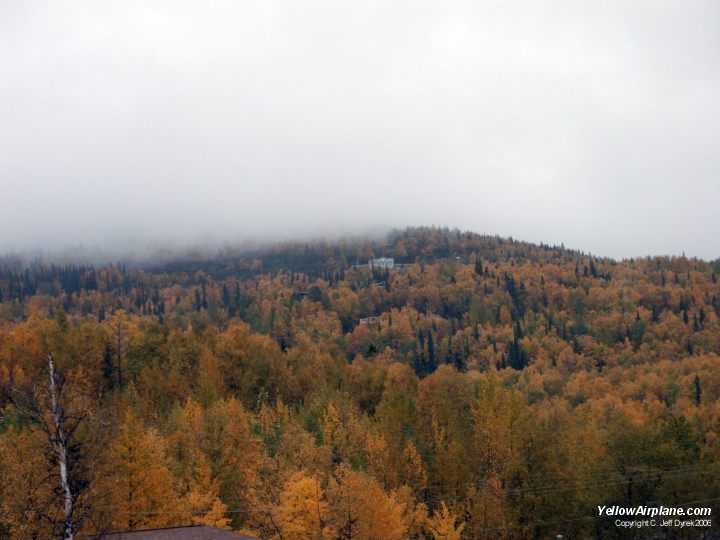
(138, 481)
(302, 513)
(443, 524)
(234, 455)
(362, 510)
(24, 493)
(413, 470)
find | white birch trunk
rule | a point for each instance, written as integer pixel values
(60, 448)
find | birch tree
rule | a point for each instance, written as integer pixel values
(59, 411)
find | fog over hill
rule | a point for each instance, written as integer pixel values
(129, 126)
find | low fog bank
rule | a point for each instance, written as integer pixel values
(148, 254)
(161, 256)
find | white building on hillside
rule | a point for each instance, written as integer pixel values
(381, 263)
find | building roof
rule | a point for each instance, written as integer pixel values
(196, 532)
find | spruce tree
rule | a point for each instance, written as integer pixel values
(108, 368)
(432, 363)
(478, 267)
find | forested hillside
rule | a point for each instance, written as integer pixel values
(482, 388)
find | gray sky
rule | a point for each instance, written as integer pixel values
(596, 124)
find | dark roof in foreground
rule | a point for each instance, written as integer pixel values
(197, 532)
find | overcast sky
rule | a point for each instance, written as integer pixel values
(596, 124)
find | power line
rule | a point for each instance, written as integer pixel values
(634, 477)
(540, 490)
(639, 476)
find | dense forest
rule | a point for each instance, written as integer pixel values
(481, 388)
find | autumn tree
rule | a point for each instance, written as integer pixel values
(443, 525)
(59, 407)
(138, 479)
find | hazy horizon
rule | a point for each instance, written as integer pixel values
(129, 126)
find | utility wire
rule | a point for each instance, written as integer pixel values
(541, 490)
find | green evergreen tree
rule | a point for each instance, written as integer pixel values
(108, 367)
(698, 390)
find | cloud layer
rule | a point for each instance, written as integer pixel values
(595, 124)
